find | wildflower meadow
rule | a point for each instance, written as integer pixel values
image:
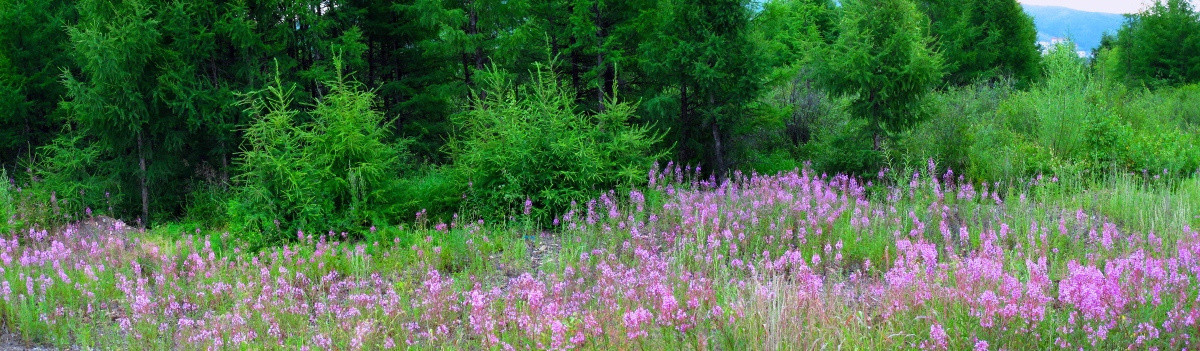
(599, 175)
(795, 260)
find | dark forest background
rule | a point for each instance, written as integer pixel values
(264, 116)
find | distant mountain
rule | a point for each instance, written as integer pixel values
(1085, 28)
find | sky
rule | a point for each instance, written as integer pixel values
(1110, 6)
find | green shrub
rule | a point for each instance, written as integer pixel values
(1186, 104)
(772, 161)
(1061, 105)
(8, 204)
(1104, 135)
(325, 169)
(67, 182)
(359, 168)
(843, 144)
(435, 190)
(206, 205)
(946, 134)
(530, 142)
(1162, 148)
(997, 153)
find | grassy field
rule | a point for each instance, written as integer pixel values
(788, 261)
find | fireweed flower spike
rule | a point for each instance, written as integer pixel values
(787, 260)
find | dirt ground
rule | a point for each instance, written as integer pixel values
(10, 341)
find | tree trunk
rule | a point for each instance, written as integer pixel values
(685, 122)
(145, 190)
(224, 165)
(718, 152)
(576, 76)
(473, 30)
(553, 46)
(600, 86)
(371, 57)
(465, 55)
(466, 63)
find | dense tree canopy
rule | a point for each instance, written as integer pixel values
(35, 55)
(708, 71)
(984, 39)
(883, 56)
(1161, 45)
(137, 107)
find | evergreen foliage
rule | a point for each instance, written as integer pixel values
(113, 100)
(532, 143)
(984, 39)
(708, 72)
(331, 167)
(33, 59)
(1161, 45)
(789, 31)
(883, 57)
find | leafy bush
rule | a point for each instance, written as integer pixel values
(1186, 104)
(530, 142)
(1060, 104)
(436, 190)
(843, 144)
(67, 182)
(207, 205)
(1104, 135)
(8, 204)
(952, 119)
(328, 168)
(1073, 122)
(996, 153)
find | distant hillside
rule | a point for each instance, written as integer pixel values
(1085, 28)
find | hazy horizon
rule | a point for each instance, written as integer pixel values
(1109, 6)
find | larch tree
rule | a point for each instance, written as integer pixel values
(35, 43)
(1161, 45)
(984, 39)
(115, 45)
(705, 66)
(883, 58)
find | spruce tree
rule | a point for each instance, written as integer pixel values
(883, 58)
(34, 40)
(984, 39)
(707, 70)
(1161, 45)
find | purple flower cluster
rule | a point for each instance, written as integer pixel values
(793, 259)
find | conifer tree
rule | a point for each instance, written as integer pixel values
(115, 45)
(788, 31)
(704, 65)
(34, 40)
(1161, 45)
(149, 95)
(984, 39)
(882, 58)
